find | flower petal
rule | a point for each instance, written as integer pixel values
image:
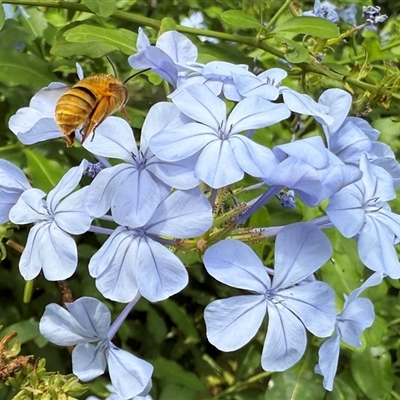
(231, 323)
(88, 361)
(235, 264)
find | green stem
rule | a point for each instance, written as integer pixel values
(278, 14)
(242, 384)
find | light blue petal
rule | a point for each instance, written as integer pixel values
(178, 47)
(338, 102)
(183, 214)
(286, 339)
(182, 142)
(71, 215)
(376, 250)
(142, 40)
(311, 151)
(89, 361)
(177, 174)
(29, 208)
(137, 198)
(328, 357)
(203, 106)
(346, 212)
(374, 280)
(159, 273)
(30, 262)
(129, 374)
(217, 165)
(231, 323)
(357, 316)
(255, 112)
(300, 249)
(253, 158)
(11, 177)
(7, 201)
(235, 264)
(60, 327)
(113, 138)
(51, 249)
(250, 85)
(65, 186)
(314, 304)
(92, 315)
(113, 266)
(105, 187)
(159, 62)
(304, 104)
(162, 116)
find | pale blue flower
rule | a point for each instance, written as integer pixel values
(323, 10)
(196, 20)
(49, 246)
(223, 153)
(300, 250)
(135, 260)
(135, 188)
(36, 123)
(361, 211)
(357, 315)
(168, 58)
(86, 325)
(311, 170)
(13, 183)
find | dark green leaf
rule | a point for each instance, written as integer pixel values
(23, 69)
(174, 373)
(45, 173)
(156, 326)
(176, 392)
(121, 39)
(13, 35)
(100, 7)
(182, 320)
(313, 26)
(240, 20)
(373, 372)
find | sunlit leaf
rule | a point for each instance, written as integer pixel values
(100, 7)
(313, 26)
(240, 20)
(121, 39)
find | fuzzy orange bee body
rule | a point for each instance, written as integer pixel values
(88, 103)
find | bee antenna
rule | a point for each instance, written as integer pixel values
(112, 66)
(136, 74)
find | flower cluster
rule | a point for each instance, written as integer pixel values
(162, 195)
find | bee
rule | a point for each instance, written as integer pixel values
(89, 102)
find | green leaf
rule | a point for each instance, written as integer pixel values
(23, 69)
(174, 373)
(60, 46)
(13, 34)
(45, 173)
(182, 320)
(313, 26)
(176, 392)
(167, 24)
(120, 39)
(240, 20)
(372, 370)
(156, 326)
(2, 15)
(295, 52)
(100, 7)
(27, 330)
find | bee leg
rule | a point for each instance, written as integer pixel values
(99, 114)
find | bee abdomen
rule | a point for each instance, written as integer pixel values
(74, 107)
